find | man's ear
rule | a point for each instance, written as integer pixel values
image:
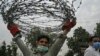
(90, 43)
(36, 42)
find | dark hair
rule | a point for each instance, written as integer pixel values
(92, 37)
(44, 36)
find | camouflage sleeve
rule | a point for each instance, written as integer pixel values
(55, 48)
(25, 50)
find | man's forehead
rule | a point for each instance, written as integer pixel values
(43, 39)
(96, 38)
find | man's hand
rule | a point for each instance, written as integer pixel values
(70, 23)
(12, 27)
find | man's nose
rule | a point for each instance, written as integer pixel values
(44, 44)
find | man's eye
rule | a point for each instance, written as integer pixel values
(43, 42)
(96, 41)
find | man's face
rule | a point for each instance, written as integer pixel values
(43, 42)
(96, 40)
